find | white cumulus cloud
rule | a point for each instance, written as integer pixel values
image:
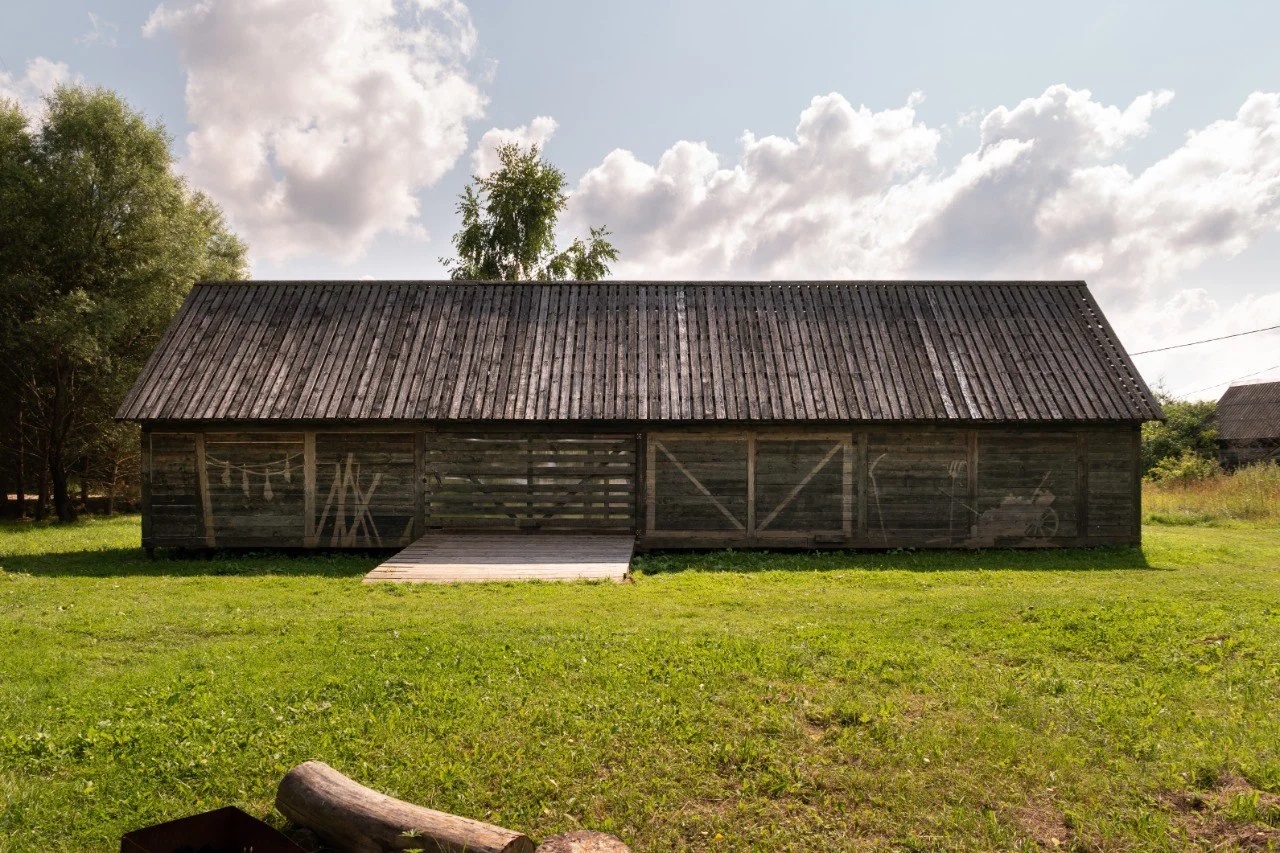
(317, 122)
(537, 132)
(41, 77)
(789, 206)
(858, 193)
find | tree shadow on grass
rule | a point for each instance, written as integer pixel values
(1046, 560)
(129, 562)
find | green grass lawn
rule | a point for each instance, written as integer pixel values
(1109, 699)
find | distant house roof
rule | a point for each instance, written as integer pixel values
(1250, 412)
(660, 351)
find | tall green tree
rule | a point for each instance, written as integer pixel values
(509, 221)
(1189, 427)
(102, 239)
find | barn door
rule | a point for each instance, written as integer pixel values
(751, 488)
(522, 481)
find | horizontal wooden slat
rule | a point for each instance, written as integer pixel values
(529, 480)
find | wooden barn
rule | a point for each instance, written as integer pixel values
(686, 414)
(1249, 424)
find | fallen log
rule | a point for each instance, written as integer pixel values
(350, 817)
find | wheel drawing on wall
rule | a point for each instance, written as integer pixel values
(1029, 517)
(1044, 526)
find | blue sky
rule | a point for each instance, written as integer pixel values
(1135, 145)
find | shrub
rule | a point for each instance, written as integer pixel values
(1186, 467)
(1188, 426)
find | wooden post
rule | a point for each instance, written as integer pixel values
(309, 489)
(751, 485)
(206, 504)
(641, 484)
(650, 482)
(863, 476)
(1135, 473)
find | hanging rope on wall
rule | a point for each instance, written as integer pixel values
(283, 468)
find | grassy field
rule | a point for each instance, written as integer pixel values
(1250, 496)
(1111, 699)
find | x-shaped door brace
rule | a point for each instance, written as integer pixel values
(817, 469)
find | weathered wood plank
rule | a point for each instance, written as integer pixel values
(309, 536)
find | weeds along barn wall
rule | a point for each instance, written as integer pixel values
(694, 487)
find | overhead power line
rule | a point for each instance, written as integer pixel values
(1229, 381)
(1207, 340)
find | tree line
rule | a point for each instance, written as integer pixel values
(100, 241)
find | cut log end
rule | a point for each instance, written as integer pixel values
(350, 816)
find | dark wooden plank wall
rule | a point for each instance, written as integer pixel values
(893, 487)
(525, 481)
(171, 514)
(917, 486)
(700, 483)
(253, 488)
(278, 488)
(1114, 486)
(365, 494)
(785, 487)
(1237, 454)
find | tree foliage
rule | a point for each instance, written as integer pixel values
(1189, 428)
(1186, 467)
(100, 240)
(509, 222)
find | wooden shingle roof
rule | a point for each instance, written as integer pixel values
(1250, 412)
(637, 351)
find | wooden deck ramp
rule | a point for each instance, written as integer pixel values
(454, 558)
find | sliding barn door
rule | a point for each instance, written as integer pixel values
(750, 488)
(522, 481)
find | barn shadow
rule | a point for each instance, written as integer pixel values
(909, 560)
(134, 562)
